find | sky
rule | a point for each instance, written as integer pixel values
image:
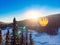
(23, 9)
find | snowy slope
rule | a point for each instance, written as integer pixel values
(43, 38)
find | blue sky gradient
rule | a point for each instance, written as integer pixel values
(9, 7)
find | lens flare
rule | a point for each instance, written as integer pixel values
(43, 21)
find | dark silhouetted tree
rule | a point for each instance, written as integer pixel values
(14, 39)
(31, 40)
(0, 37)
(8, 42)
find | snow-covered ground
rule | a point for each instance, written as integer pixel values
(43, 38)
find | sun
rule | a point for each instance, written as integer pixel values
(33, 13)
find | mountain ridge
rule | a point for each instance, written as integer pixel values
(51, 27)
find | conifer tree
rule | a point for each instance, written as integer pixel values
(14, 38)
(8, 39)
(21, 38)
(31, 40)
(26, 37)
(15, 27)
(0, 37)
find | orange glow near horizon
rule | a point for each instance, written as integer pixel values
(43, 21)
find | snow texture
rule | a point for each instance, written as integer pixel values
(42, 38)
